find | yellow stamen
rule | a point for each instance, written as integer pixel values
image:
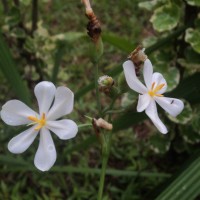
(159, 87)
(153, 91)
(41, 122)
(159, 95)
(152, 85)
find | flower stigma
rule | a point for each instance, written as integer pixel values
(41, 122)
(153, 90)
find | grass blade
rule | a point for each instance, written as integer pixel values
(185, 186)
(9, 70)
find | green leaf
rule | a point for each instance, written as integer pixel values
(119, 42)
(61, 48)
(192, 56)
(166, 17)
(185, 116)
(18, 33)
(14, 16)
(148, 5)
(192, 37)
(185, 186)
(191, 61)
(193, 2)
(188, 89)
(128, 119)
(9, 69)
(189, 135)
(159, 143)
(30, 45)
(171, 74)
(25, 2)
(196, 120)
(128, 99)
(149, 41)
(22, 165)
(82, 146)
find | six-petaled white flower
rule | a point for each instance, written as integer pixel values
(53, 103)
(155, 87)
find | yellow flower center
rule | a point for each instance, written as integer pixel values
(153, 90)
(41, 122)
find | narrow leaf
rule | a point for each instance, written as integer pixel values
(185, 185)
(9, 69)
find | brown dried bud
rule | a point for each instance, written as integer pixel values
(138, 57)
(94, 26)
(101, 123)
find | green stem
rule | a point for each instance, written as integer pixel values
(84, 125)
(5, 6)
(105, 154)
(16, 2)
(34, 15)
(97, 88)
(57, 63)
(102, 177)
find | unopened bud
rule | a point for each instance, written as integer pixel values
(101, 123)
(106, 81)
(106, 85)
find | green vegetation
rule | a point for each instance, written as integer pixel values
(47, 40)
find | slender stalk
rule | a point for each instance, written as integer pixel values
(16, 2)
(57, 63)
(105, 155)
(102, 177)
(34, 15)
(84, 126)
(5, 6)
(97, 88)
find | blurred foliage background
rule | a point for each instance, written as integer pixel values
(47, 40)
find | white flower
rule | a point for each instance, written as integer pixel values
(53, 104)
(155, 87)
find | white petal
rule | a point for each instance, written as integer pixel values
(131, 78)
(44, 92)
(64, 129)
(63, 104)
(46, 154)
(158, 79)
(147, 73)
(16, 113)
(21, 142)
(170, 105)
(152, 113)
(143, 102)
